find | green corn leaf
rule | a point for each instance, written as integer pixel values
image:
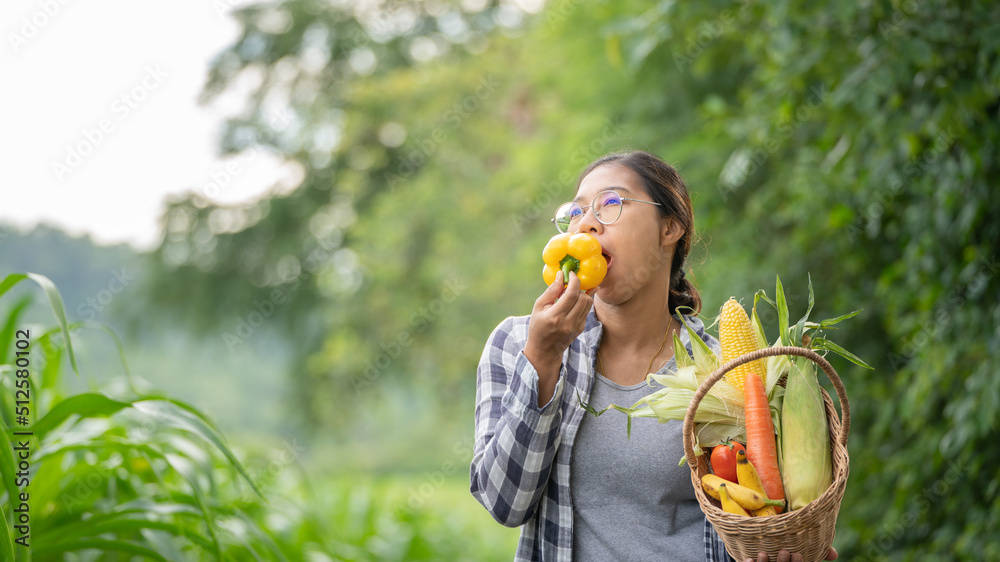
(831, 321)
(823, 343)
(800, 325)
(184, 416)
(56, 302)
(704, 357)
(782, 313)
(761, 295)
(119, 523)
(13, 318)
(758, 328)
(681, 357)
(86, 405)
(8, 466)
(6, 541)
(105, 545)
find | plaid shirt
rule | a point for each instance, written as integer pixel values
(521, 464)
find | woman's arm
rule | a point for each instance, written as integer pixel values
(516, 440)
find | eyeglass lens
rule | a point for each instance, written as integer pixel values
(607, 207)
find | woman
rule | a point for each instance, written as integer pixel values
(574, 484)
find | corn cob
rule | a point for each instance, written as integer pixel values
(736, 338)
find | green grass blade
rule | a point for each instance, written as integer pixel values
(10, 325)
(55, 300)
(8, 466)
(6, 541)
(119, 346)
(185, 416)
(104, 545)
(85, 405)
(11, 280)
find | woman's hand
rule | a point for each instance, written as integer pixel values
(784, 556)
(558, 317)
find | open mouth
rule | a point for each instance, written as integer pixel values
(608, 258)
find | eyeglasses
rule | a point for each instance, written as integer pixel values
(607, 206)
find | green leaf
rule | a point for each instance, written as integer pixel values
(184, 416)
(823, 343)
(104, 545)
(6, 541)
(782, 313)
(55, 300)
(800, 325)
(831, 321)
(86, 405)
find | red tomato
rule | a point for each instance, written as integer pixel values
(724, 460)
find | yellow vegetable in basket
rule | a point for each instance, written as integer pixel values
(747, 476)
(747, 498)
(736, 338)
(728, 504)
(807, 464)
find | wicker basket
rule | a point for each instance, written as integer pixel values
(809, 530)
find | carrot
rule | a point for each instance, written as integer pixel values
(761, 448)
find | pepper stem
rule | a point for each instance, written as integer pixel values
(567, 264)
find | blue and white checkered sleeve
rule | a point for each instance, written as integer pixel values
(715, 549)
(516, 440)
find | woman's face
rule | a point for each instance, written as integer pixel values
(639, 246)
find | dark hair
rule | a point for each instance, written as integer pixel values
(666, 187)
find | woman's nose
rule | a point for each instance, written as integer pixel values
(589, 223)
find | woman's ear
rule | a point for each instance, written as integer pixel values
(670, 231)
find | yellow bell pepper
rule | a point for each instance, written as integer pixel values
(579, 252)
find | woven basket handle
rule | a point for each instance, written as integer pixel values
(845, 407)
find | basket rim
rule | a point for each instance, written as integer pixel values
(844, 421)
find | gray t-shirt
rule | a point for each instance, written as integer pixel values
(631, 501)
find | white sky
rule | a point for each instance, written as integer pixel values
(65, 74)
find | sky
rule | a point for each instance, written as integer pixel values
(101, 115)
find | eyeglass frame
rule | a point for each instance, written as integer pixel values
(591, 206)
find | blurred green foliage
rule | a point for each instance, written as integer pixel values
(856, 142)
(126, 471)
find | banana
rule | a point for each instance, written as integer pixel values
(745, 497)
(747, 476)
(729, 505)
